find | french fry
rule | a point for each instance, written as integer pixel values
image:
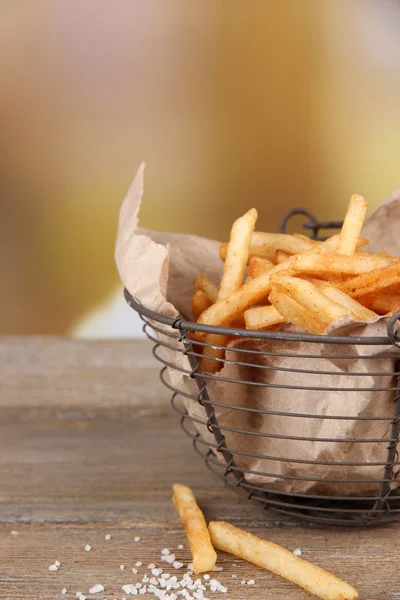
(357, 310)
(265, 245)
(352, 225)
(262, 317)
(383, 303)
(319, 263)
(294, 313)
(199, 303)
(202, 282)
(374, 281)
(237, 256)
(254, 291)
(281, 256)
(309, 297)
(280, 561)
(203, 553)
(258, 265)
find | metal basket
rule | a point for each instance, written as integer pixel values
(381, 506)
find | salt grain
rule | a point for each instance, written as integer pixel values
(129, 589)
(143, 590)
(57, 563)
(88, 548)
(80, 596)
(165, 551)
(122, 567)
(234, 576)
(138, 564)
(207, 577)
(297, 552)
(14, 532)
(243, 582)
(218, 568)
(156, 572)
(177, 565)
(251, 582)
(180, 547)
(136, 538)
(96, 589)
(190, 567)
(107, 537)
(134, 571)
(151, 566)
(53, 568)
(64, 591)
(145, 579)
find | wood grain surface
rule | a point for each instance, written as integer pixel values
(89, 445)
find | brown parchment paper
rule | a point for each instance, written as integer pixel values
(159, 268)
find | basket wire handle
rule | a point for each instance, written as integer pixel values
(313, 224)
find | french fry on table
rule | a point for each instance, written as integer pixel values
(199, 303)
(352, 225)
(237, 256)
(202, 282)
(280, 561)
(203, 553)
(262, 317)
(373, 282)
(258, 265)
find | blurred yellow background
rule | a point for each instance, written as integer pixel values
(231, 104)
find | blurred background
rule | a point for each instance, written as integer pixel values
(231, 104)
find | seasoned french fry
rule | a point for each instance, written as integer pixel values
(265, 245)
(262, 317)
(281, 256)
(374, 281)
(254, 291)
(258, 265)
(280, 561)
(199, 303)
(318, 263)
(384, 302)
(309, 297)
(202, 282)
(203, 553)
(294, 313)
(352, 225)
(211, 360)
(357, 310)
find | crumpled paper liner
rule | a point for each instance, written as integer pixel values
(158, 269)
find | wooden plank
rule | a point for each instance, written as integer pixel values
(90, 445)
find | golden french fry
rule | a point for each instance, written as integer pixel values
(254, 291)
(319, 263)
(265, 245)
(374, 281)
(294, 313)
(383, 302)
(352, 225)
(262, 317)
(281, 256)
(280, 561)
(307, 295)
(202, 282)
(357, 310)
(237, 254)
(199, 303)
(211, 361)
(203, 553)
(258, 265)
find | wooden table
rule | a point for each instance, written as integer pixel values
(90, 446)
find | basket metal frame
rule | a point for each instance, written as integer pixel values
(320, 509)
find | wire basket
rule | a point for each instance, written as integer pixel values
(172, 337)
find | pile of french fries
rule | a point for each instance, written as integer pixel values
(271, 279)
(267, 555)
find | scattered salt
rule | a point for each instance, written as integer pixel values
(297, 552)
(96, 589)
(64, 591)
(156, 572)
(190, 567)
(143, 590)
(234, 576)
(218, 568)
(251, 582)
(165, 551)
(138, 585)
(107, 537)
(57, 563)
(53, 568)
(138, 564)
(14, 532)
(122, 567)
(151, 566)
(180, 547)
(177, 565)
(136, 538)
(145, 579)
(130, 588)
(88, 548)
(207, 577)
(134, 571)
(80, 596)
(169, 558)
(243, 582)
